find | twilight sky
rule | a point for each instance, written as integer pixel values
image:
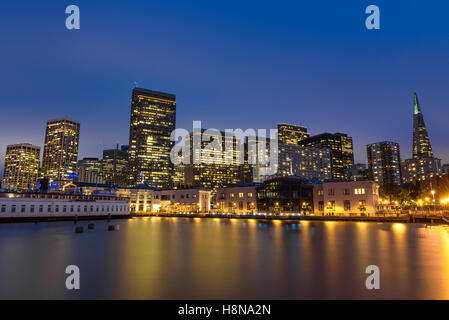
(232, 64)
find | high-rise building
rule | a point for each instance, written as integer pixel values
(291, 135)
(384, 162)
(340, 145)
(153, 118)
(421, 142)
(218, 174)
(357, 172)
(61, 149)
(89, 170)
(114, 167)
(445, 168)
(309, 163)
(424, 165)
(21, 166)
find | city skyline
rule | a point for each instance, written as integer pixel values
(84, 75)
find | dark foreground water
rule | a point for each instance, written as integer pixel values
(176, 258)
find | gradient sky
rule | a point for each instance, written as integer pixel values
(232, 64)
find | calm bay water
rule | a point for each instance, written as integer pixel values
(181, 258)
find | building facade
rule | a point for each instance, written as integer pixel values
(89, 170)
(60, 149)
(341, 148)
(424, 165)
(285, 195)
(384, 162)
(309, 163)
(291, 135)
(21, 166)
(346, 198)
(224, 170)
(114, 167)
(153, 118)
(237, 199)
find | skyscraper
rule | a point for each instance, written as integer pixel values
(424, 165)
(61, 149)
(21, 166)
(89, 170)
(214, 175)
(153, 118)
(421, 142)
(114, 167)
(384, 162)
(290, 134)
(340, 145)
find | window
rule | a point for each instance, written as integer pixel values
(13, 208)
(71, 208)
(346, 192)
(187, 196)
(240, 205)
(32, 208)
(41, 208)
(232, 195)
(22, 209)
(330, 192)
(64, 209)
(241, 195)
(321, 205)
(3, 207)
(57, 209)
(320, 192)
(359, 191)
(173, 196)
(347, 205)
(49, 208)
(85, 208)
(250, 194)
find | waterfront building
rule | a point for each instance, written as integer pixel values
(114, 167)
(424, 165)
(285, 195)
(60, 149)
(345, 198)
(237, 199)
(153, 118)
(341, 148)
(89, 170)
(21, 166)
(291, 135)
(60, 205)
(146, 200)
(384, 162)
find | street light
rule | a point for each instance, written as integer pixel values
(434, 204)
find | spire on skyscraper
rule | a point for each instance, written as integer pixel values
(421, 142)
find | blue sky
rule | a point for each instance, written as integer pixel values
(232, 64)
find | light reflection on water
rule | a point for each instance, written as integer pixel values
(192, 258)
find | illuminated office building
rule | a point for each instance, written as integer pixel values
(304, 162)
(114, 167)
(424, 165)
(61, 149)
(384, 162)
(215, 175)
(153, 118)
(290, 134)
(341, 148)
(89, 170)
(21, 166)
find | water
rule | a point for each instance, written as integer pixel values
(183, 258)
